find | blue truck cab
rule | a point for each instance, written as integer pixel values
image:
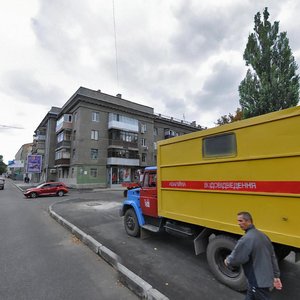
(141, 204)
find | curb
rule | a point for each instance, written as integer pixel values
(135, 283)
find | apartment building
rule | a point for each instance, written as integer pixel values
(103, 140)
(44, 144)
(17, 168)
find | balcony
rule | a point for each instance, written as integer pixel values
(40, 137)
(123, 126)
(170, 133)
(40, 151)
(64, 126)
(62, 162)
(38, 148)
(123, 144)
(63, 144)
(123, 161)
(64, 123)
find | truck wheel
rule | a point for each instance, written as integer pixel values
(281, 252)
(131, 223)
(217, 250)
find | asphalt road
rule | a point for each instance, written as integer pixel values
(164, 261)
(41, 260)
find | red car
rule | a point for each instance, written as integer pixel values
(46, 189)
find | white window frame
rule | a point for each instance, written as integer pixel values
(95, 116)
(95, 135)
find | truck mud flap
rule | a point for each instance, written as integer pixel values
(146, 231)
(201, 241)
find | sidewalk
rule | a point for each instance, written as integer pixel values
(139, 286)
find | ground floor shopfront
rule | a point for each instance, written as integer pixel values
(95, 176)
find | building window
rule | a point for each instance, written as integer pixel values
(75, 116)
(65, 118)
(64, 136)
(123, 153)
(95, 135)
(123, 119)
(60, 137)
(219, 145)
(95, 116)
(93, 172)
(144, 156)
(74, 135)
(64, 153)
(67, 136)
(170, 133)
(73, 153)
(155, 132)
(94, 153)
(121, 135)
(143, 128)
(72, 173)
(143, 142)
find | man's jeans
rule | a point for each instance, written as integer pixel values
(255, 293)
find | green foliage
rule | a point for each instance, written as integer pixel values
(230, 118)
(271, 83)
(2, 165)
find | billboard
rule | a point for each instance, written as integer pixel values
(34, 163)
(16, 163)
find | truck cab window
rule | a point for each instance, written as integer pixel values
(149, 180)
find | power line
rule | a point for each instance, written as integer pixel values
(8, 126)
(116, 48)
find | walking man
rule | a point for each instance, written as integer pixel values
(255, 252)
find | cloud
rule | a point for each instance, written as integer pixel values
(24, 87)
(220, 90)
(203, 30)
(179, 57)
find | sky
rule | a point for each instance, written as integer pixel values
(184, 58)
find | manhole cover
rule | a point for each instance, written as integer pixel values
(94, 204)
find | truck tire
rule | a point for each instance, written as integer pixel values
(281, 251)
(131, 223)
(217, 250)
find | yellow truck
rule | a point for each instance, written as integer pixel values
(203, 179)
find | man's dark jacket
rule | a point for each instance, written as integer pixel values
(256, 253)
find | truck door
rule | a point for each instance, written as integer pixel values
(148, 195)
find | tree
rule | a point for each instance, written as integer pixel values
(271, 84)
(2, 165)
(230, 118)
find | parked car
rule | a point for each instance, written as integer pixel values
(46, 189)
(2, 181)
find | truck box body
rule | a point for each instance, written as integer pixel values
(205, 178)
